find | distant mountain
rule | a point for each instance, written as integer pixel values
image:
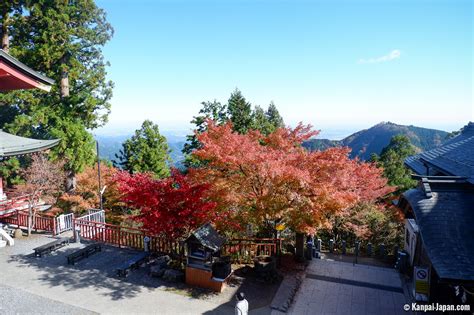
(111, 145)
(365, 142)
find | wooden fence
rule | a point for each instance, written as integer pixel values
(127, 237)
(252, 247)
(13, 204)
(134, 238)
(41, 223)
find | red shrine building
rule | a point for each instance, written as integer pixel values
(15, 75)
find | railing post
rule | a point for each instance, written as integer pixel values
(120, 236)
(54, 226)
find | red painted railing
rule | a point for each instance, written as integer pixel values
(13, 204)
(126, 237)
(41, 223)
(252, 247)
(133, 238)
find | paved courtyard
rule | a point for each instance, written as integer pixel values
(334, 287)
(48, 285)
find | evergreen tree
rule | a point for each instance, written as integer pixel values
(146, 151)
(63, 40)
(392, 160)
(260, 121)
(267, 122)
(240, 112)
(274, 117)
(210, 110)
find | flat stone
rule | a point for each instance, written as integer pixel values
(162, 261)
(173, 275)
(157, 271)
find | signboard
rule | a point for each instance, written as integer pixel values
(422, 283)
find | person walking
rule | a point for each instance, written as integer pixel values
(242, 306)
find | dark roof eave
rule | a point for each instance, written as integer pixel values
(24, 68)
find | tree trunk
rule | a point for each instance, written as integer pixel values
(70, 181)
(64, 77)
(5, 35)
(30, 217)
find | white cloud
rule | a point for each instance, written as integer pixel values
(394, 54)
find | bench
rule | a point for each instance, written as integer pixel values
(133, 263)
(83, 253)
(48, 248)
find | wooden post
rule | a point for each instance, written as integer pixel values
(54, 226)
(120, 236)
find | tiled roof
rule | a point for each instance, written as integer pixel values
(24, 68)
(455, 157)
(11, 145)
(446, 222)
(208, 237)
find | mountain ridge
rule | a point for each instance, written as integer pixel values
(372, 140)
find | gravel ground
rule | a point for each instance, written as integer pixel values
(17, 301)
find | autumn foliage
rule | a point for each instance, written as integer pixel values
(86, 194)
(266, 179)
(172, 206)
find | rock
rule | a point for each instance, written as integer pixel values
(18, 233)
(162, 261)
(173, 275)
(157, 271)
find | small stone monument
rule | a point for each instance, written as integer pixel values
(146, 243)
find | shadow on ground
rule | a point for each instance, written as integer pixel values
(98, 272)
(258, 293)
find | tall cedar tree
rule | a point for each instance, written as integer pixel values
(172, 206)
(274, 117)
(265, 122)
(146, 151)
(392, 160)
(214, 111)
(8, 9)
(63, 40)
(240, 112)
(267, 179)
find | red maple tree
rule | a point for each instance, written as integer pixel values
(172, 206)
(267, 179)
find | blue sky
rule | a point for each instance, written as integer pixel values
(339, 65)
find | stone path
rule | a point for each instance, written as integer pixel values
(17, 301)
(333, 287)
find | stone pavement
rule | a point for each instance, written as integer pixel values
(17, 301)
(48, 285)
(333, 287)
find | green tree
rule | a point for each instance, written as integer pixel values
(392, 160)
(10, 171)
(146, 151)
(63, 40)
(274, 117)
(8, 9)
(260, 121)
(266, 122)
(210, 110)
(240, 112)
